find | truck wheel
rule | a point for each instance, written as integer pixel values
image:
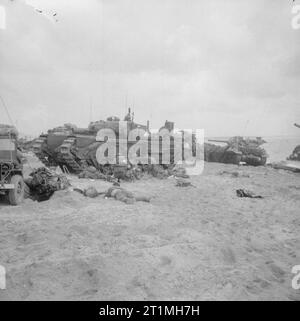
(16, 195)
(26, 191)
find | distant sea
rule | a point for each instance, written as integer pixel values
(278, 147)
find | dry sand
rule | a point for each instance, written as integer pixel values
(189, 243)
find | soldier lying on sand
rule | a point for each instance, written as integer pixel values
(117, 192)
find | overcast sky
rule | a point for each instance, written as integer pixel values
(228, 66)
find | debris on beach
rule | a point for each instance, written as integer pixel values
(247, 193)
(91, 172)
(182, 182)
(126, 172)
(180, 172)
(233, 174)
(129, 173)
(43, 183)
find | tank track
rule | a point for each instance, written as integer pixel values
(68, 157)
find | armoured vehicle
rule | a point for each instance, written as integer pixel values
(46, 147)
(75, 148)
(72, 148)
(238, 149)
(79, 149)
(295, 156)
(12, 184)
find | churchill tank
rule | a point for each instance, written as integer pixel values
(46, 146)
(74, 149)
(79, 149)
(237, 149)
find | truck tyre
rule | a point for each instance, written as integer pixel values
(26, 191)
(16, 195)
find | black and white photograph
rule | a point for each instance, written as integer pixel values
(149, 152)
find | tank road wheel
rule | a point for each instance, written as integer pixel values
(16, 195)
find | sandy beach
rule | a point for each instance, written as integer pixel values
(94, 92)
(188, 243)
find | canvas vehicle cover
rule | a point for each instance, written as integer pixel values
(7, 130)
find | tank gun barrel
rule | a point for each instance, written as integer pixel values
(219, 141)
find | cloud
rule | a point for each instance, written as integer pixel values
(217, 64)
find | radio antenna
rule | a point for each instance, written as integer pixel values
(6, 110)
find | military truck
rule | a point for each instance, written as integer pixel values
(12, 184)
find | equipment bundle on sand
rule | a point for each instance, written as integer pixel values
(111, 173)
(129, 173)
(42, 184)
(92, 173)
